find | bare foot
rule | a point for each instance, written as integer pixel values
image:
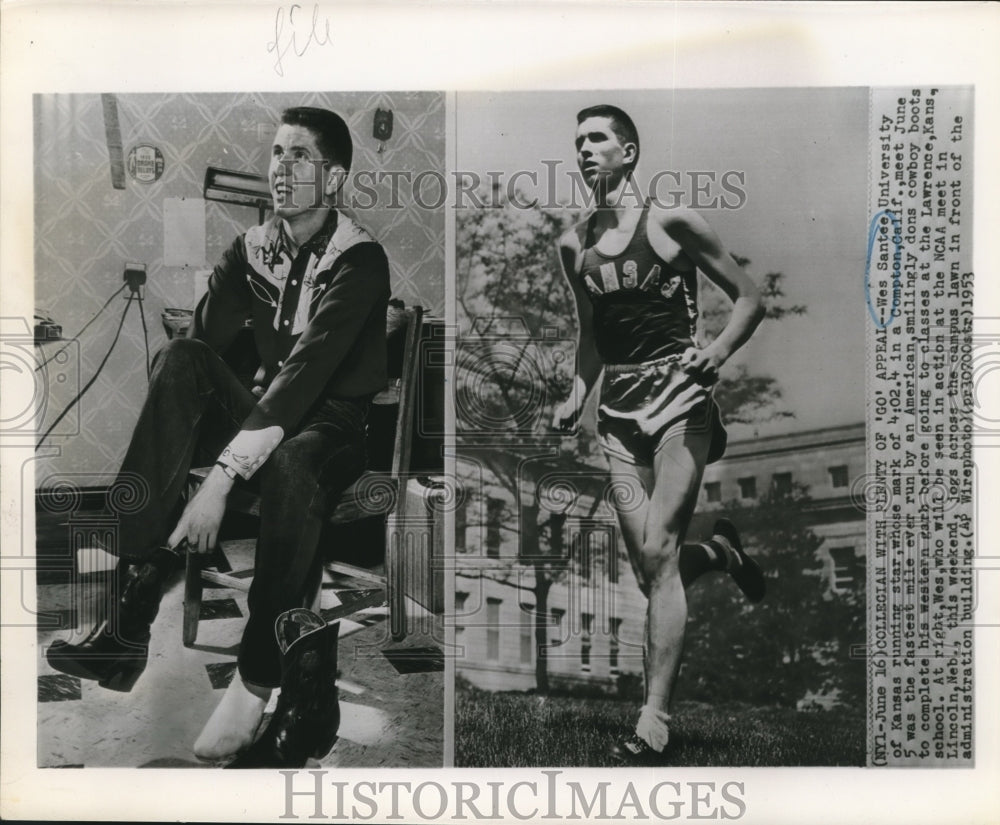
(234, 721)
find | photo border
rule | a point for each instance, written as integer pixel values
(53, 47)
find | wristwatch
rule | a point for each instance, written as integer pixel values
(229, 471)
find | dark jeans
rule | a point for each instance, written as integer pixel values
(194, 407)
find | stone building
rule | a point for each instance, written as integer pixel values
(504, 544)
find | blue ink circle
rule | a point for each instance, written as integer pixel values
(897, 259)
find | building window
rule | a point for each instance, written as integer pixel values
(838, 476)
(587, 628)
(595, 555)
(781, 484)
(748, 487)
(494, 516)
(493, 629)
(527, 633)
(611, 554)
(616, 625)
(461, 525)
(582, 547)
(713, 491)
(846, 567)
(556, 620)
(460, 599)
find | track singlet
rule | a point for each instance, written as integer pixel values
(643, 308)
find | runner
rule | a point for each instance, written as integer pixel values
(632, 266)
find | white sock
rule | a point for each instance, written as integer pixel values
(652, 727)
(233, 723)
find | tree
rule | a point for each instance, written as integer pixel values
(747, 398)
(516, 361)
(799, 639)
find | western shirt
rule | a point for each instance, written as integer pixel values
(318, 324)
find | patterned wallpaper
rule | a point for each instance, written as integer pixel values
(85, 230)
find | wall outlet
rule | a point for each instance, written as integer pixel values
(135, 277)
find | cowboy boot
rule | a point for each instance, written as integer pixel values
(307, 717)
(116, 649)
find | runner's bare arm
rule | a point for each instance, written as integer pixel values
(588, 364)
(701, 244)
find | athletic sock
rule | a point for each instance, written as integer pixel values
(652, 727)
(732, 560)
(743, 569)
(696, 559)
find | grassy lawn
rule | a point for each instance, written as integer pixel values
(521, 730)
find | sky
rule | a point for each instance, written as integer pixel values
(804, 156)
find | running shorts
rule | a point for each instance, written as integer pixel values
(643, 405)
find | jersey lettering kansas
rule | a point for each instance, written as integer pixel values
(612, 281)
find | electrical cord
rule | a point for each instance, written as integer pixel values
(85, 326)
(90, 383)
(145, 333)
